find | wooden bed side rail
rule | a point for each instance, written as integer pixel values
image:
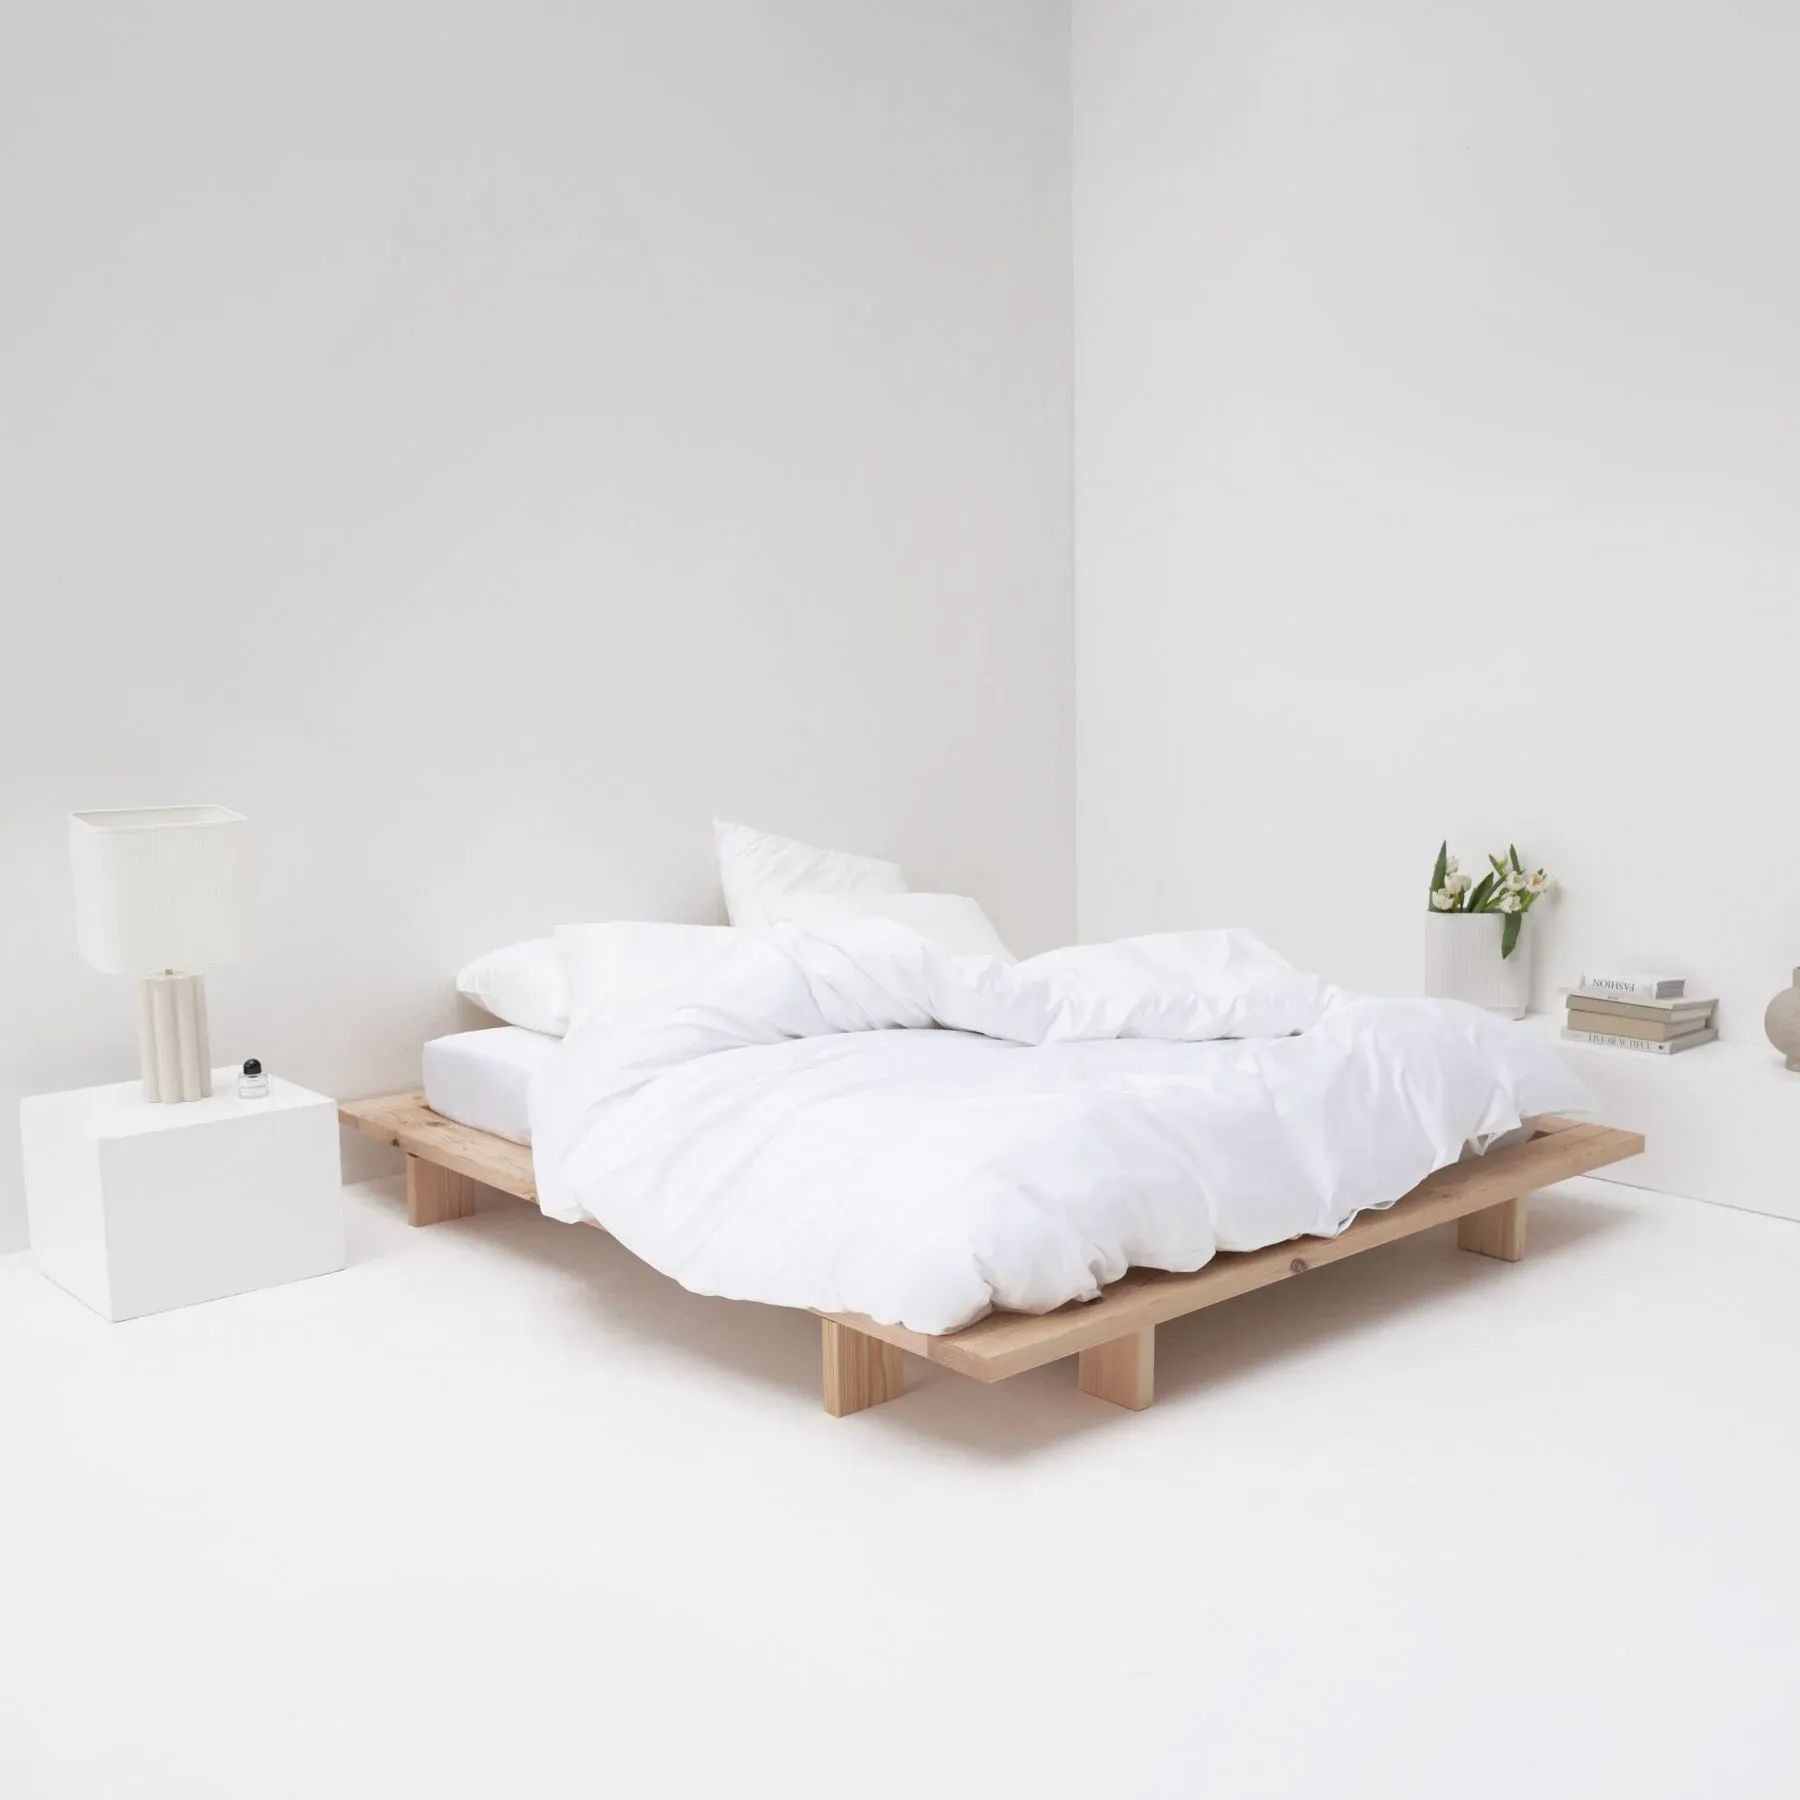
(1005, 1344)
(1113, 1337)
(406, 1122)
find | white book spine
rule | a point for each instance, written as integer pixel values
(1649, 1046)
(1629, 987)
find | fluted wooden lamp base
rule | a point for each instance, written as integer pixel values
(172, 1037)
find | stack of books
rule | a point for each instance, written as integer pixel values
(1639, 1012)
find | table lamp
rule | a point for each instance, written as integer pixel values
(162, 893)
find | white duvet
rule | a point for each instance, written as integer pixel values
(858, 1123)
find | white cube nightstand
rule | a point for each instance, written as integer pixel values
(136, 1208)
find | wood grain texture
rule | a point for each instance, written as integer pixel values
(1123, 1371)
(434, 1194)
(405, 1121)
(1005, 1344)
(860, 1371)
(1495, 1230)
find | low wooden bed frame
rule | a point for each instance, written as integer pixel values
(1114, 1337)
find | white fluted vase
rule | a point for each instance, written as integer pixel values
(1463, 962)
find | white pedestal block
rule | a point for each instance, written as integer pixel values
(136, 1207)
(1720, 1123)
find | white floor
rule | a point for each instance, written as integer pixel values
(498, 1511)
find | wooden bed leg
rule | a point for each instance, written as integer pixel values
(1495, 1230)
(434, 1194)
(860, 1371)
(1122, 1371)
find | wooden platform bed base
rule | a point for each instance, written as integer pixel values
(1112, 1338)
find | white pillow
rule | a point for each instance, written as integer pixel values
(611, 963)
(756, 867)
(524, 984)
(953, 922)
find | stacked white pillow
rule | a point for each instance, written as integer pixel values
(524, 984)
(757, 870)
(608, 964)
(770, 880)
(545, 983)
(953, 922)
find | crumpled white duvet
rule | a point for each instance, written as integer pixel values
(856, 1122)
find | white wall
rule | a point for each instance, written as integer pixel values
(1438, 471)
(481, 441)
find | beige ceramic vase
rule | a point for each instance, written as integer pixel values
(1782, 1023)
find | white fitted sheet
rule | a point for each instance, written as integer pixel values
(479, 1078)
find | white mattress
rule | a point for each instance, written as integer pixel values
(479, 1078)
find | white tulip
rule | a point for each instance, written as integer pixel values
(1456, 884)
(1510, 903)
(1538, 882)
(1443, 901)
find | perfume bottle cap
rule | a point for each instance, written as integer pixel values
(252, 1066)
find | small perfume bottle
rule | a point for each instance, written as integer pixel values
(253, 1084)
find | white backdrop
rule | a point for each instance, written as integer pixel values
(480, 442)
(1438, 445)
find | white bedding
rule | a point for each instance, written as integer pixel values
(768, 1130)
(480, 1078)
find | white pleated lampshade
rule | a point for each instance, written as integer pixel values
(161, 888)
